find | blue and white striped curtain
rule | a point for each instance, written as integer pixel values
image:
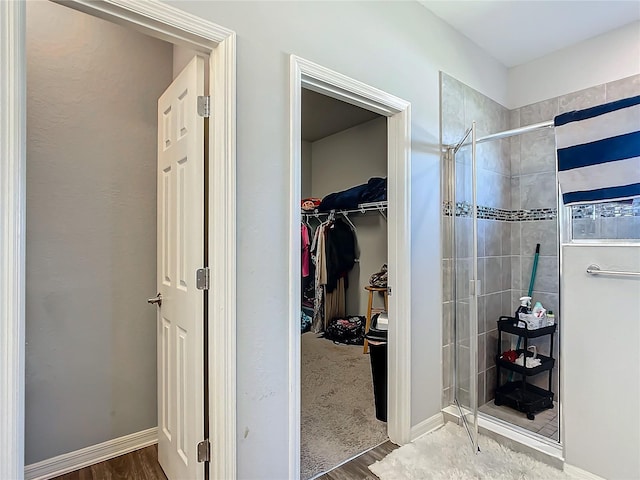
(599, 152)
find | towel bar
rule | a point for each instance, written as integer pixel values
(594, 269)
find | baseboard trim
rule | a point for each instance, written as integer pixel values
(427, 426)
(580, 473)
(84, 457)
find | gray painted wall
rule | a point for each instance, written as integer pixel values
(411, 46)
(91, 229)
(306, 170)
(344, 160)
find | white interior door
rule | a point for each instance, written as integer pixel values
(180, 253)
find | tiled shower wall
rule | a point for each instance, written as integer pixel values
(517, 200)
(534, 186)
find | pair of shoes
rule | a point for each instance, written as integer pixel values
(379, 279)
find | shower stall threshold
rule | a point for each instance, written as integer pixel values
(513, 437)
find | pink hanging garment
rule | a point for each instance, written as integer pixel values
(305, 250)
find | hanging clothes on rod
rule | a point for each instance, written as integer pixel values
(333, 251)
(318, 260)
(340, 250)
(346, 217)
(307, 274)
(306, 243)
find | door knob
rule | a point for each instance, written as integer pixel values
(157, 300)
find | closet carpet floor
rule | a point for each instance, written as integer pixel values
(338, 418)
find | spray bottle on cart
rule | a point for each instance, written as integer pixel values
(525, 307)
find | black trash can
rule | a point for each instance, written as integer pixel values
(377, 337)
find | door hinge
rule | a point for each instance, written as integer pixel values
(202, 278)
(389, 291)
(204, 451)
(204, 106)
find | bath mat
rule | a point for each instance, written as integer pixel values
(445, 454)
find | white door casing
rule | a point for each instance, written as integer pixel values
(306, 74)
(180, 253)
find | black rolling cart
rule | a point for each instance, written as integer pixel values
(520, 394)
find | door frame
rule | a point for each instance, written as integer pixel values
(304, 73)
(167, 23)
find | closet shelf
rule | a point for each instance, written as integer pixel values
(380, 207)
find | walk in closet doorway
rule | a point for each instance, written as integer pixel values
(344, 242)
(353, 168)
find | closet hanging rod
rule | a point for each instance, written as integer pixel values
(507, 133)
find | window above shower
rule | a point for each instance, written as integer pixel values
(610, 221)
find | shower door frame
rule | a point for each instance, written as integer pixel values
(471, 425)
(509, 430)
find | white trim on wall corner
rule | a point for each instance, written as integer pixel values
(12, 237)
(580, 473)
(399, 262)
(72, 461)
(427, 426)
(306, 74)
(295, 169)
(156, 19)
(222, 262)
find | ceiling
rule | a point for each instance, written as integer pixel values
(512, 31)
(323, 116)
(518, 31)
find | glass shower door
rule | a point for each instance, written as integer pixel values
(466, 285)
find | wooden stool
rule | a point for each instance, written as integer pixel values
(371, 310)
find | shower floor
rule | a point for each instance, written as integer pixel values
(545, 423)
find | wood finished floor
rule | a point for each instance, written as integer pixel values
(139, 465)
(143, 465)
(358, 468)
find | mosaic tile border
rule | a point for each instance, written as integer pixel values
(599, 210)
(464, 209)
(607, 210)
